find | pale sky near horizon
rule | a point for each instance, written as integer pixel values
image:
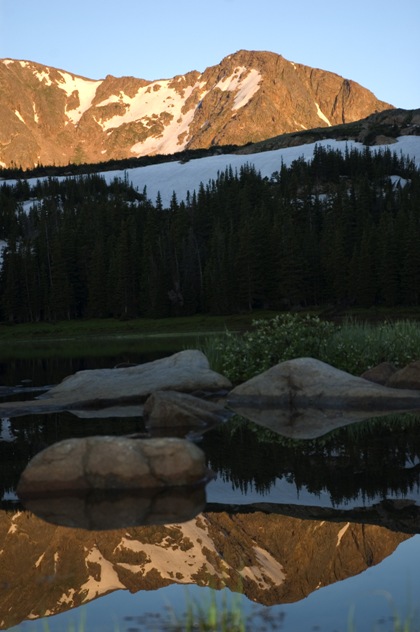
(373, 42)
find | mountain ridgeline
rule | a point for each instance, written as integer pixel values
(341, 229)
(53, 117)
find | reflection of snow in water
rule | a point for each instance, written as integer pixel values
(6, 430)
(3, 245)
(9, 496)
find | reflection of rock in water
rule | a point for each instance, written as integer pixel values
(271, 558)
(115, 509)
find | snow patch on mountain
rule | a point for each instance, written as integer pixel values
(182, 554)
(341, 533)
(244, 82)
(106, 579)
(268, 568)
(149, 101)
(322, 115)
(43, 76)
(85, 89)
(161, 98)
(19, 115)
(39, 560)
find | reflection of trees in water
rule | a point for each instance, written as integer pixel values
(43, 370)
(369, 459)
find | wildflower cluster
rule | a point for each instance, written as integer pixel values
(352, 347)
(271, 341)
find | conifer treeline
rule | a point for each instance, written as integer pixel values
(337, 229)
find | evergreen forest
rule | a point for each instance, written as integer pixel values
(343, 229)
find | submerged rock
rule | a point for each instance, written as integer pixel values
(109, 463)
(168, 409)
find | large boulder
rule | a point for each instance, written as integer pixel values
(306, 398)
(380, 373)
(408, 377)
(110, 463)
(186, 371)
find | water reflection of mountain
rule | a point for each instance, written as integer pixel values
(271, 558)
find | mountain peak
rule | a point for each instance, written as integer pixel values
(52, 116)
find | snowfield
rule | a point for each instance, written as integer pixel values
(180, 178)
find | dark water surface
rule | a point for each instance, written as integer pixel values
(308, 535)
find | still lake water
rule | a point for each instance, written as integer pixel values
(301, 536)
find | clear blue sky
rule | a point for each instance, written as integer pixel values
(373, 42)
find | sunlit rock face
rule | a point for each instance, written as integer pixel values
(51, 116)
(272, 559)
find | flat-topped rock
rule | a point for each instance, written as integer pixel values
(186, 371)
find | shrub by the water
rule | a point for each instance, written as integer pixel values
(352, 347)
(269, 342)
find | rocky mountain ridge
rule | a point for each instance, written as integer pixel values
(50, 116)
(380, 128)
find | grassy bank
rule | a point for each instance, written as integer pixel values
(199, 324)
(352, 346)
(69, 329)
